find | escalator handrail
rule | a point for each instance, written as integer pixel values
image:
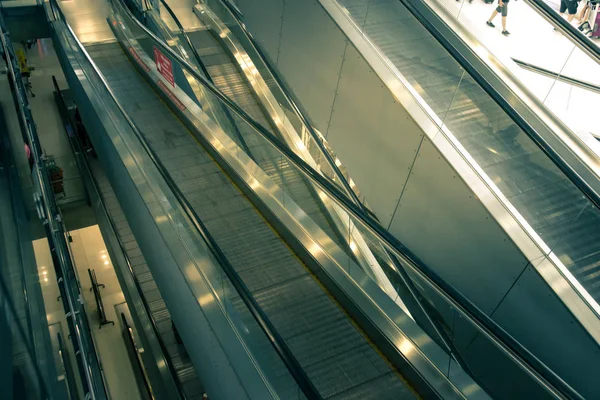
(300, 113)
(487, 326)
(204, 71)
(55, 233)
(447, 343)
(428, 18)
(568, 30)
(273, 336)
(113, 228)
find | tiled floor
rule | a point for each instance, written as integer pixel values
(534, 40)
(44, 63)
(89, 251)
(88, 20)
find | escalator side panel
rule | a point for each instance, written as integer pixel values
(215, 367)
(191, 385)
(244, 237)
(382, 145)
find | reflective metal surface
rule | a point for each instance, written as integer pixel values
(518, 173)
(185, 105)
(287, 285)
(187, 253)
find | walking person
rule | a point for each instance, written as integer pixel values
(570, 6)
(502, 8)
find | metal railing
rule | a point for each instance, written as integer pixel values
(482, 322)
(273, 336)
(81, 337)
(84, 166)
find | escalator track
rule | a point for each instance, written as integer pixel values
(553, 205)
(334, 353)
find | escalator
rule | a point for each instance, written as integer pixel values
(227, 77)
(185, 373)
(307, 318)
(564, 216)
(553, 205)
(216, 63)
(345, 340)
(547, 189)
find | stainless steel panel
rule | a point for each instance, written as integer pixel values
(311, 50)
(367, 120)
(440, 220)
(573, 352)
(270, 33)
(292, 299)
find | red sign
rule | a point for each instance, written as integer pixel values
(171, 95)
(164, 66)
(138, 59)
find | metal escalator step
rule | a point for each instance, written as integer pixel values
(348, 370)
(294, 302)
(385, 387)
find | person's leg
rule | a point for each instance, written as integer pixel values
(572, 7)
(494, 13)
(563, 8)
(583, 14)
(583, 19)
(504, 14)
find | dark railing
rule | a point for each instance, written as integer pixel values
(275, 339)
(98, 297)
(85, 170)
(63, 354)
(81, 337)
(136, 360)
(298, 111)
(568, 30)
(555, 75)
(415, 303)
(481, 321)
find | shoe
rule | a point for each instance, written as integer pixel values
(583, 26)
(488, 23)
(505, 33)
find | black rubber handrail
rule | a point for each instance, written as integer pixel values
(266, 325)
(572, 33)
(487, 326)
(208, 76)
(139, 365)
(555, 75)
(300, 113)
(113, 228)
